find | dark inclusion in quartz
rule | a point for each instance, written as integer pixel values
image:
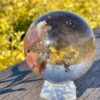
(59, 45)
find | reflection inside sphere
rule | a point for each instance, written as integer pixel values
(60, 46)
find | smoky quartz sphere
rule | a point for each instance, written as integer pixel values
(60, 46)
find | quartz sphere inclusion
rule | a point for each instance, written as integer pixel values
(60, 46)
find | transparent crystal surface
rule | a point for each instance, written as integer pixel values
(59, 46)
(61, 91)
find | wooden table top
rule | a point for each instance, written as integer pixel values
(18, 82)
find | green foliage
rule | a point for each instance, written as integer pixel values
(17, 15)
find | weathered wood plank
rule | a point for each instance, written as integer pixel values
(95, 95)
(18, 82)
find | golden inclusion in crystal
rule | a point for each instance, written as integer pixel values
(69, 54)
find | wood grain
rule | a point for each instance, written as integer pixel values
(18, 82)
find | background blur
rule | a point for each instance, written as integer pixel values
(17, 15)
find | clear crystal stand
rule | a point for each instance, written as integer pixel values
(58, 91)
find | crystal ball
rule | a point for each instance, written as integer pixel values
(60, 46)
